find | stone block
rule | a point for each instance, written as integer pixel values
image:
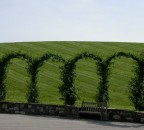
(41, 109)
(29, 106)
(142, 120)
(52, 112)
(22, 112)
(16, 109)
(21, 105)
(17, 112)
(60, 109)
(33, 110)
(116, 117)
(47, 107)
(61, 112)
(129, 119)
(4, 106)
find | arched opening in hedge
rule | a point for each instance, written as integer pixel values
(133, 58)
(4, 62)
(67, 89)
(33, 94)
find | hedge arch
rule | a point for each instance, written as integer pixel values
(67, 89)
(33, 72)
(135, 87)
(4, 62)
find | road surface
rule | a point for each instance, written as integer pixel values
(25, 122)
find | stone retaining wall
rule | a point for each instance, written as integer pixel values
(126, 115)
(38, 109)
(66, 111)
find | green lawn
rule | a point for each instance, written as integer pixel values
(86, 81)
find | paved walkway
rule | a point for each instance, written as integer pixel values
(24, 122)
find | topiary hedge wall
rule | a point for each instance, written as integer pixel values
(67, 88)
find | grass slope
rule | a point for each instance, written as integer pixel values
(86, 81)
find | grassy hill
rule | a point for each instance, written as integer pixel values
(86, 81)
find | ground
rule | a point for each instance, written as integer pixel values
(25, 122)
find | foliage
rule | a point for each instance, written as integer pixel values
(4, 62)
(67, 89)
(33, 71)
(103, 72)
(135, 81)
(136, 86)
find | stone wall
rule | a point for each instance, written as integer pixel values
(126, 115)
(67, 111)
(38, 109)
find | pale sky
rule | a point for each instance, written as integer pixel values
(72, 20)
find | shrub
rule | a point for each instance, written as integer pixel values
(33, 69)
(67, 89)
(4, 62)
(136, 86)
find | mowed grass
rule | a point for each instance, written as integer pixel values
(86, 80)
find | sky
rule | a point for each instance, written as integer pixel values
(72, 20)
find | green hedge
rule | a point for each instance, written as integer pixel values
(67, 88)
